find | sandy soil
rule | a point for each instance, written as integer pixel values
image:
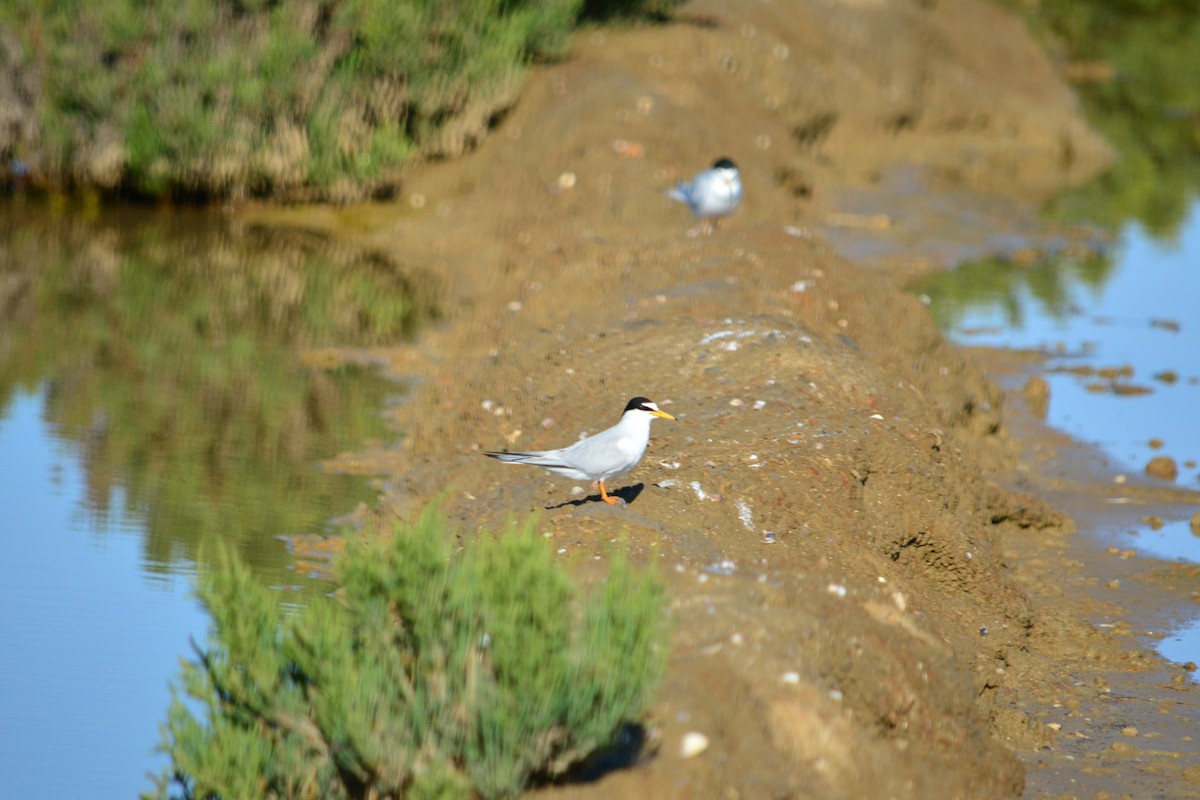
(877, 589)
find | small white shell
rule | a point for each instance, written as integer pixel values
(693, 744)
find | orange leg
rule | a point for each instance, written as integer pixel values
(606, 497)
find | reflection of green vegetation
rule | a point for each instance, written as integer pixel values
(234, 97)
(445, 673)
(173, 361)
(1004, 285)
(1149, 108)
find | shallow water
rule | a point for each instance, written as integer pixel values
(1137, 316)
(158, 392)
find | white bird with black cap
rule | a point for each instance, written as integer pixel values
(609, 454)
(713, 193)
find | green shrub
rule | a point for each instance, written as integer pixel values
(442, 672)
(287, 99)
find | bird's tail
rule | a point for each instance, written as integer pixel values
(511, 458)
(680, 192)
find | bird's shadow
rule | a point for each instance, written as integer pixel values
(627, 495)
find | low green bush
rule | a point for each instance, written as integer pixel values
(319, 99)
(440, 673)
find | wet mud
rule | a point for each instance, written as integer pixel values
(878, 587)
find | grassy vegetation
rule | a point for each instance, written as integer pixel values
(1137, 66)
(281, 98)
(443, 673)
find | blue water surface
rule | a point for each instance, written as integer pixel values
(1144, 315)
(91, 634)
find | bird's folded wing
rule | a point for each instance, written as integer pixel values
(544, 460)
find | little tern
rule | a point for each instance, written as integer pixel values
(714, 193)
(598, 458)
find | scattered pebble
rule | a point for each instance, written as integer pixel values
(1166, 325)
(769, 537)
(791, 677)
(515, 305)
(1037, 395)
(836, 589)
(627, 149)
(759, 405)
(725, 567)
(737, 638)
(1054, 726)
(836, 695)
(567, 180)
(745, 515)
(1129, 731)
(875, 416)
(1163, 468)
(693, 744)
(736, 403)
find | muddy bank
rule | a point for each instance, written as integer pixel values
(833, 510)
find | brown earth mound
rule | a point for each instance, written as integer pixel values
(848, 618)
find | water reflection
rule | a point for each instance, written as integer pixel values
(154, 394)
(1137, 70)
(170, 354)
(1121, 335)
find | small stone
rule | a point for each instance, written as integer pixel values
(1129, 731)
(1037, 395)
(790, 677)
(567, 180)
(1162, 467)
(693, 744)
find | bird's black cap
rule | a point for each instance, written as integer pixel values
(638, 402)
(724, 163)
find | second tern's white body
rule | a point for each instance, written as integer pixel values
(716, 192)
